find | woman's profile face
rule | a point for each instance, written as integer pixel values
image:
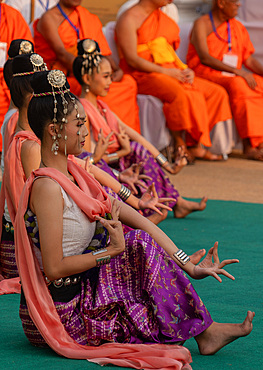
(100, 81)
(75, 130)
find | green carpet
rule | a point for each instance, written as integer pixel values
(237, 227)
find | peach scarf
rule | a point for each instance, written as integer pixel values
(12, 186)
(40, 303)
(97, 122)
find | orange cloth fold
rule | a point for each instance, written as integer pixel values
(246, 104)
(162, 52)
(12, 26)
(194, 108)
(41, 306)
(122, 95)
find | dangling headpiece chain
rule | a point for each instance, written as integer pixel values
(91, 57)
(38, 65)
(57, 81)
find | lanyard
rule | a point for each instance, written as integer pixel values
(44, 6)
(218, 36)
(69, 21)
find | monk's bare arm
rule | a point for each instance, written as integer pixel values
(199, 35)
(48, 27)
(254, 65)
(126, 30)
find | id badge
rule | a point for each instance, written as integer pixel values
(230, 60)
(3, 53)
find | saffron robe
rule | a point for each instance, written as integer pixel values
(12, 26)
(12, 185)
(246, 104)
(122, 97)
(195, 108)
(41, 306)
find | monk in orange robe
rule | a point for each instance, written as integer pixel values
(147, 39)
(219, 46)
(56, 35)
(12, 26)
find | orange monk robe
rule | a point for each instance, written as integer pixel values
(13, 26)
(246, 104)
(195, 108)
(122, 97)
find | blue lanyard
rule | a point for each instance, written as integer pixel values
(69, 21)
(218, 36)
(44, 6)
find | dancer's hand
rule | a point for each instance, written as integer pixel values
(102, 145)
(150, 200)
(114, 227)
(211, 266)
(180, 161)
(124, 141)
(131, 176)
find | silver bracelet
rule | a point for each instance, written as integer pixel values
(113, 157)
(91, 160)
(116, 173)
(182, 257)
(161, 159)
(124, 193)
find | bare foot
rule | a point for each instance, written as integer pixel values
(156, 218)
(196, 257)
(203, 154)
(219, 335)
(254, 154)
(183, 207)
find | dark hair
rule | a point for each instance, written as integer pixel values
(13, 51)
(88, 58)
(41, 108)
(20, 85)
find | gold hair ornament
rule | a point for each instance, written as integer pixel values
(91, 57)
(25, 47)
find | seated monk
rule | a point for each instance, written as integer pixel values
(220, 46)
(56, 34)
(147, 39)
(12, 26)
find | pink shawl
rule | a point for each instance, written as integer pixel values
(40, 303)
(97, 122)
(10, 130)
(12, 186)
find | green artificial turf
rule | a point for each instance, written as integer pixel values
(238, 229)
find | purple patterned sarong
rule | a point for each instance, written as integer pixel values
(8, 266)
(150, 168)
(141, 296)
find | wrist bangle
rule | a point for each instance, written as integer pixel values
(113, 157)
(99, 251)
(182, 257)
(124, 193)
(116, 173)
(161, 159)
(103, 260)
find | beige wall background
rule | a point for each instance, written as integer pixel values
(105, 9)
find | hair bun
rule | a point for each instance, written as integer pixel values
(19, 47)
